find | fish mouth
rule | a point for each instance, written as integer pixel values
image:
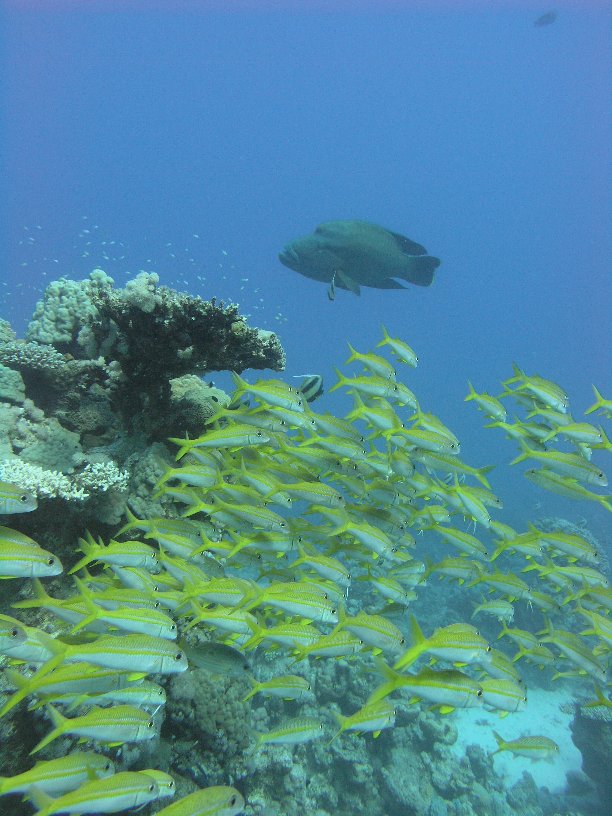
(289, 257)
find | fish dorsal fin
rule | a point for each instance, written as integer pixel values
(407, 246)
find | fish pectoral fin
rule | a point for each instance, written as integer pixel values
(331, 291)
(346, 282)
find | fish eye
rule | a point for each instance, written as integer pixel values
(173, 627)
(14, 632)
(334, 611)
(488, 648)
(156, 605)
(233, 801)
(479, 693)
(402, 641)
(150, 724)
(24, 498)
(50, 561)
(258, 433)
(171, 784)
(179, 655)
(215, 399)
(108, 766)
(152, 787)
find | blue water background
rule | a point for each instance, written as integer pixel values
(195, 142)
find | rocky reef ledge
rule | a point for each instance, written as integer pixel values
(100, 380)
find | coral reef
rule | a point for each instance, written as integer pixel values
(100, 376)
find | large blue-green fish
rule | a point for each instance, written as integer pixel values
(351, 254)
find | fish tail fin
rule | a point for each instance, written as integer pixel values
(253, 691)
(354, 355)
(20, 682)
(472, 393)
(419, 269)
(381, 692)
(185, 449)
(415, 632)
(40, 799)
(342, 380)
(526, 453)
(89, 548)
(481, 474)
(605, 502)
(498, 551)
(258, 635)
(599, 401)
(501, 742)
(341, 720)
(504, 630)
(418, 643)
(240, 385)
(58, 721)
(166, 476)
(41, 597)
(389, 686)
(132, 520)
(93, 613)
(341, 618)
(386, 337)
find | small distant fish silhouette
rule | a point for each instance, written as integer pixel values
(546, 19)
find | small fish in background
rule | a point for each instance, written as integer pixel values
(14, 499)
(311, 387)
(545, 19)
(532, 747)
(217, 658)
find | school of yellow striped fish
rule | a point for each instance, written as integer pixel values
(280, 513)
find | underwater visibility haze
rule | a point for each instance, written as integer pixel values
(305, 401)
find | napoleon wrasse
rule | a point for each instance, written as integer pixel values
(351, 254)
